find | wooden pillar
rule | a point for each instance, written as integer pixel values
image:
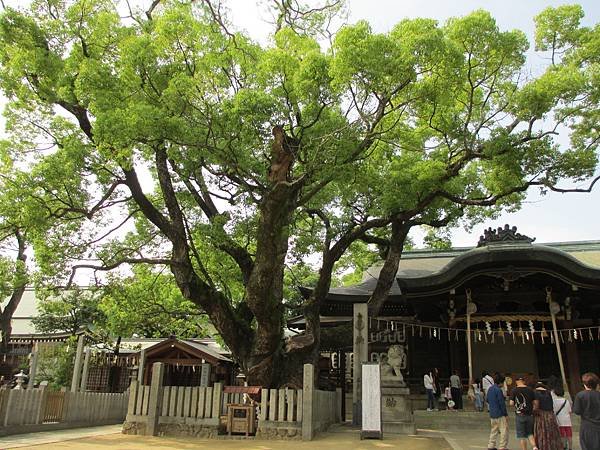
(142, 366)
(77, 366)
(360, 334)
(86, 368)
(342, 367)
(554, 308)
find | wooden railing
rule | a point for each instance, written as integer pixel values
(53, 410)
(177, 401)
(281, 405)
(19, 407)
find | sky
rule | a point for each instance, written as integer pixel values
(551, 218)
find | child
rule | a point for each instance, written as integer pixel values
(478, 395)
(448, 396)
(562, 410)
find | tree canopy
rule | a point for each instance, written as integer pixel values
(168, 138)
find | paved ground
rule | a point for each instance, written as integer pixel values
(477, 439)
(341, 438)
(105, 437)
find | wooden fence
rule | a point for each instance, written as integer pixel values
(281, 405)
(199, 411)
(177, 401)
(20, 408)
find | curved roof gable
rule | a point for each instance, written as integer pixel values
(500, 258)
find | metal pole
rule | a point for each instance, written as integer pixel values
(553, 312)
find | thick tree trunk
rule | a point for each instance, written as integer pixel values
(387, 276)
(17, 294)
(264, 291)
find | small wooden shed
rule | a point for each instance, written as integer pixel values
(187, 363)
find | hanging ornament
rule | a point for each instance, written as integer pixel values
(488, 327)
(501, 333)
(575, 334)
(493, 337)
(562, 338)
(591, 335)
(456, 335)
(485, 335)
(439, 334)
(509, 327)
(531, 329)
(520, 333)
(420, 331)
(429, 333)
(543, 333)
(449, 334)
(552, 338)
(434, 332)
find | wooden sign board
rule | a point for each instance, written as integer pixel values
(371, 401)
(205, 374)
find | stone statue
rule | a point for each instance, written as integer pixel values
(393, 363)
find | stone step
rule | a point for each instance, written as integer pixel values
(399, 428)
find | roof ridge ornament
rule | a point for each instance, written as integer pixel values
(506, 235)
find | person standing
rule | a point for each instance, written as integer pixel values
(486, 382)
(430, 389)
(545, 427)
(498, 415)
(456, 387)
(562, 411)
(522, 398)
(478, 394)
(437, 387)
(587, 405)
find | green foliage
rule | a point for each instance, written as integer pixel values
(55, 364)
(149, 304)
(438, 239)
(68, 311)
(165, 128)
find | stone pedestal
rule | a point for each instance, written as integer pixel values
(396, 408)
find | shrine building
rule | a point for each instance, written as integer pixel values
(528, 308)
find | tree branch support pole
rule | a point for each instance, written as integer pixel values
(77, 366)
(360, 332)
(554, 308)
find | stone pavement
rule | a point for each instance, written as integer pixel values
(477, 439)
(340, 438)
(49, 437)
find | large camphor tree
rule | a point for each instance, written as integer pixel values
(167, 138)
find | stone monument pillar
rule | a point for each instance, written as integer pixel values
(360, 326)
